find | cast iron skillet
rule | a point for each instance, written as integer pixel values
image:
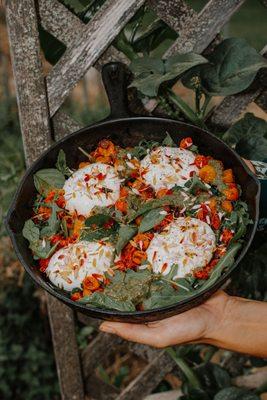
(126, 130)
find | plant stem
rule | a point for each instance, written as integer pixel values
(205, 104)
(184, 367)
(185, 109)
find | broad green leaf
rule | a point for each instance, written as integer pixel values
(52, 224)
(126, 232)
(225, 263)
(42, 248)
(48, 179)
(151, 219)
(97, 219)
(168, 141)
(30, 231)
(232, 68)
(249, 136)
(234, 393)
(175, 199)
(248, 126)
(61, 163)
(151, 72)
(125, 290)
(253, 148)
(100, 300)
(176, 65)
(195, 183)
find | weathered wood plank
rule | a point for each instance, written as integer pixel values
(100, 390)
(203, 27)
(111, 54)
(30, 86)
(261, 100)
(176, 13)
(35, 127)
(59, 21)
(63, 125)
(66, 350)
(88, 47)
(148, 379)
(97, 350)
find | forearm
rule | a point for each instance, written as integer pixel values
(242, 327)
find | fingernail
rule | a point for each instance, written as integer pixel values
(107, 328)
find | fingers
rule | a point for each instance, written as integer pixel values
(140, 333)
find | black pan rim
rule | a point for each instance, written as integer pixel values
(123, 314)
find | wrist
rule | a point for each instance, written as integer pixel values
(219, 311)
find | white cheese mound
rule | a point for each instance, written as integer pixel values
(84, 190)
(166, 167)
(70, 265)
(187, 242)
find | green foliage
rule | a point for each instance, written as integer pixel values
(150, 73)
(249, 136)
(27, 369)
(151, 219)
(125, 234)
(232, 68)
(48, 179)
(61, 163)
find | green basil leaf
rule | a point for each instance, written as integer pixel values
(168, 141)
(53, 223)
(225, 262)
(42, 248)
(61, 163)
(30, 231)
(98, 219)
(126, 232)
(195, 183)
(48, 179)
(151, 219)
(100, 300)
(175, 199)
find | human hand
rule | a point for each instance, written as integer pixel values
(195, 325)
(233, 323)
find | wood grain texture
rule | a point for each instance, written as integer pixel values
(175, 13)
(97, 350)
(36, 133)
(63, 125)
(261, 101)
(148, 379)
(28, 76)
(59, 21)
(87, 49)
(202, 28)
(65, 348)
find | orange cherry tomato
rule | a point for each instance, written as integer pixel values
(186, 142)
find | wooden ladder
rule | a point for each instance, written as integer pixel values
(40, 98)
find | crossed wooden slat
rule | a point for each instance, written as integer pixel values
(39, 101)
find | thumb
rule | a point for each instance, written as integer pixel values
(141, 333)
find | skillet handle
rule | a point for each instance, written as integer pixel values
(114, 75)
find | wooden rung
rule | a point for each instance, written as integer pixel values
(202, 29)
(87, 48)
(148, 379)
(59, 21)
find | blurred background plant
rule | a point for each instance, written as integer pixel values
(27, 368)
